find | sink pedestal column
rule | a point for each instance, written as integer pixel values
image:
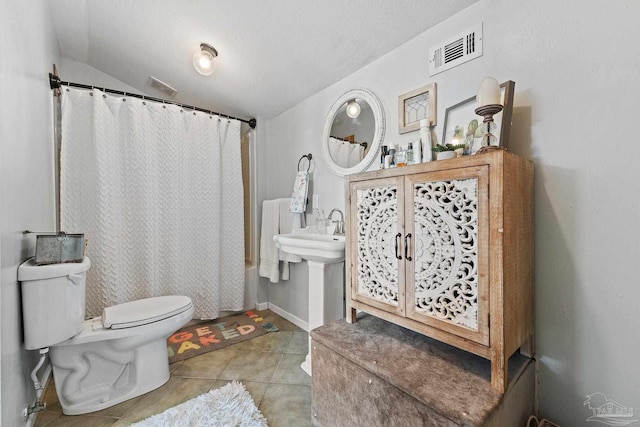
(326, 297)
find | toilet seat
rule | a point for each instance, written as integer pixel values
(144, 311)
(170, 312)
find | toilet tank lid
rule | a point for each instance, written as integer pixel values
(28, 270)
(144, 311)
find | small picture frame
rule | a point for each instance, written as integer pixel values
(417, 105)
(463, 113)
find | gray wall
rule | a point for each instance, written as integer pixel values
(28, 49)
(575, 65)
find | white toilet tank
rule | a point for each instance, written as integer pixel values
(53, 301)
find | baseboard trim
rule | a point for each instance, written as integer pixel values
(290, 317)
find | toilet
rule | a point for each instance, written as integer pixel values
(100, 362)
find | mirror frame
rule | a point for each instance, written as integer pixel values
(378, 136)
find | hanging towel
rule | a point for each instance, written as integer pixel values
(288, 223)
(276, 220)
(335, 146)
(268, 252)
(299, 195)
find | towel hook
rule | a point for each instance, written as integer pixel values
(308, 157)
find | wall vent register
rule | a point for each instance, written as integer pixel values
(456, 50)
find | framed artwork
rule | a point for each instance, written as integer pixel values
(417, 105)
(462, 115)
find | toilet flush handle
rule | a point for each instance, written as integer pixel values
(76, 278)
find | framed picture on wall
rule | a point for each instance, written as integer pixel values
(462, 115)
(417, 105)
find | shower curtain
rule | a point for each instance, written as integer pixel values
(157, 191)
(344, 153)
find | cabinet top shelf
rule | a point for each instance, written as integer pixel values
(489, 158)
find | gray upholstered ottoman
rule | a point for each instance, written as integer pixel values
(375, 373)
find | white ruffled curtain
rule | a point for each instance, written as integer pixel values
(157, 191)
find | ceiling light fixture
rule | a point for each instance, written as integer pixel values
(353, 109)
(204, 59)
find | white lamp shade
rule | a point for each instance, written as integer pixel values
(353, 109)
(204, 62)
(489, 92)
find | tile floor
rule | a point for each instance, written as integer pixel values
(268, 366)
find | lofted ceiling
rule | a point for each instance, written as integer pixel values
(272, 53)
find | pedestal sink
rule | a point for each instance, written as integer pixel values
(324, 254)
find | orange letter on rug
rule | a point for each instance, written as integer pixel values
(209, 340)
(179, 337)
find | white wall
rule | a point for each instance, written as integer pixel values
(77, 72)
(28, 49)
(576, 66)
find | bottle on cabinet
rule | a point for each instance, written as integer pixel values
(401, 158)
(425, 137)
(383, 154)
(417, 151)
(410, 154)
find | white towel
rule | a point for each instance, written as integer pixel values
(268, 252)
(335, 146)
(276, 220)
(288, 222)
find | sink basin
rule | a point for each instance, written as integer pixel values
(322, 248)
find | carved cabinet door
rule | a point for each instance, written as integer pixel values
(377, 213)
(447, 276)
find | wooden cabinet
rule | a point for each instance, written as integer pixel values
(445, 248)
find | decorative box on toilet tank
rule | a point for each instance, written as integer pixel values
(445, 248)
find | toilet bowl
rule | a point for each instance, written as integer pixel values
(100, 362)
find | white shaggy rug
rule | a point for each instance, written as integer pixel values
(228, 406)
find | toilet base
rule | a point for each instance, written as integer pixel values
(94, 376)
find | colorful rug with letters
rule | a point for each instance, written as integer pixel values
(215, 334)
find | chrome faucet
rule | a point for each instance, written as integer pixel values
(340, 223)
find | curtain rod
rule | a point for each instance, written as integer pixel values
(56, 83)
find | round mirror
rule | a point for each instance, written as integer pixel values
(353, 131)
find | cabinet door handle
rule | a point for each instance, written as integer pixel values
(398, 236)
(406, 247)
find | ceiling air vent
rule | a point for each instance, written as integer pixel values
(456, 51)
(163, 87)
